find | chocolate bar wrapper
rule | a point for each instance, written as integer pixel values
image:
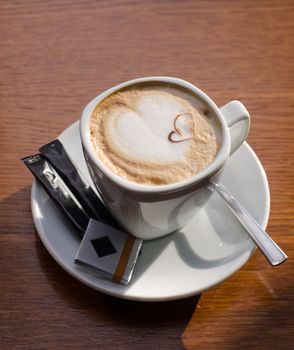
(76, 182)
(58, 191)
(111, 251)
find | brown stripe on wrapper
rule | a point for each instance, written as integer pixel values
(124, 259)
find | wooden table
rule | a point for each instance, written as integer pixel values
(54, 57)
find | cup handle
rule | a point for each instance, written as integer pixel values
(238, 121)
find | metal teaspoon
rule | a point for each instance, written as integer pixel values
(268, 247)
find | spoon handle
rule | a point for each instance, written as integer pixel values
(269, 248)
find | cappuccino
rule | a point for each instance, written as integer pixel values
(154, 134)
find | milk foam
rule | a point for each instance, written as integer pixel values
(152, 135)
(141, 135)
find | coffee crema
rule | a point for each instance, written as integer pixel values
(153, 134)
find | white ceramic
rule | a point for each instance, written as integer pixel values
(209, 249)
(150, 212)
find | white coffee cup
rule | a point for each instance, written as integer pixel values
(152, 211)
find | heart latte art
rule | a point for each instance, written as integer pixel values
(153, 135)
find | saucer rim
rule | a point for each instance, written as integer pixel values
(117, 290)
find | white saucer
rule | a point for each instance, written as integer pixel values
(208, 249)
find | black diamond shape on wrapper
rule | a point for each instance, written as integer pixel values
(103, 246)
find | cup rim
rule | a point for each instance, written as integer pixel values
(201, 177)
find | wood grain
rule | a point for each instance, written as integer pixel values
(54, 57)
